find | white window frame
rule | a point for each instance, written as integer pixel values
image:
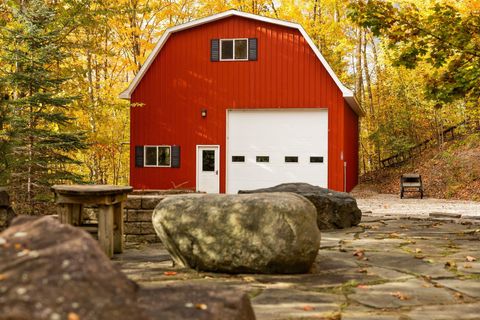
(234, 39)
(156, 157)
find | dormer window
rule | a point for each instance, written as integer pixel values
(233, 49)
(240, 49)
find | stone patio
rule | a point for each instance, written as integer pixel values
(394, 267)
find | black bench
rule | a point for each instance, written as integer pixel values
(411, 182)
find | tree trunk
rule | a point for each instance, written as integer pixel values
(358, 67)
(367, 78)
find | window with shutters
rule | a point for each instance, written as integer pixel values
(157, 156)
(233, 49)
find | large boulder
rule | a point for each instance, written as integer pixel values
(51, 270)
(255, 233)
(54, 271)
(335, 210)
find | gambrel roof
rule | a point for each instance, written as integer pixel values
(348, 94)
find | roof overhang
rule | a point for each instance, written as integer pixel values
(347, 93)
(352, 101)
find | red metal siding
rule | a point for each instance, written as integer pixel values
(351, 147)
(182, 81)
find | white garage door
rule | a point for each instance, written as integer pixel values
(269, 147)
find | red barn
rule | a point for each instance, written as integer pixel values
(240, 101)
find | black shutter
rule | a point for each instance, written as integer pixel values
(215, 50)
(139, 156)
(252, 49)
(175, 156)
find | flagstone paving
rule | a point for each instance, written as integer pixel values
(386, 268)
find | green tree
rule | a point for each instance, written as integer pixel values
(443, 36)
(38, 130)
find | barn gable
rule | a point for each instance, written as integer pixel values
(348, 94)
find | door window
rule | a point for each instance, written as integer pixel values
(208, 160)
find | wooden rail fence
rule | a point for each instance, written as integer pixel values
(399, 158)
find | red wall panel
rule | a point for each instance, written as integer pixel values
(182, 80)
(351, 147)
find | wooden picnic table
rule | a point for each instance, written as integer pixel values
(110, 201)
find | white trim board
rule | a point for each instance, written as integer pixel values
(347, 93)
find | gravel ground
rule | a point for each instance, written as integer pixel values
(389, 204)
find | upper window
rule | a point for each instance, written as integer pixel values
(233, 49)
(157, 156)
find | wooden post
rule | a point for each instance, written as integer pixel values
(65, 213)
(76, 210)
(105, 228)
(118, 228)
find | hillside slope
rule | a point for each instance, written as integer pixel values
(450, 172)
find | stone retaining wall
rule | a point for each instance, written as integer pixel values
(138, 218)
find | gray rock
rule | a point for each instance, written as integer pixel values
(52, 267)
(63, 274)
(255, 233)
(200, 302)
(335, 210)
(444, 215)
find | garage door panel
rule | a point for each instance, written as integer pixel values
(276, 134)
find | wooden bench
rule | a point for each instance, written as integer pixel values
(411, 182)
(109, 199)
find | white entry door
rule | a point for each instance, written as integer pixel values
(208, 170)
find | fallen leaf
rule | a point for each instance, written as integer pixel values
(363, 270)
(169, 273)
(394, 235)
(359, 253)
(467, 266)
(362, 286)
(470, 258)
(400, 296)
(249, 279)
(458, 295)
(73, 316)
(418, 250)
(201, 306)
(18, 246)
(2, 277)
(308, 308)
